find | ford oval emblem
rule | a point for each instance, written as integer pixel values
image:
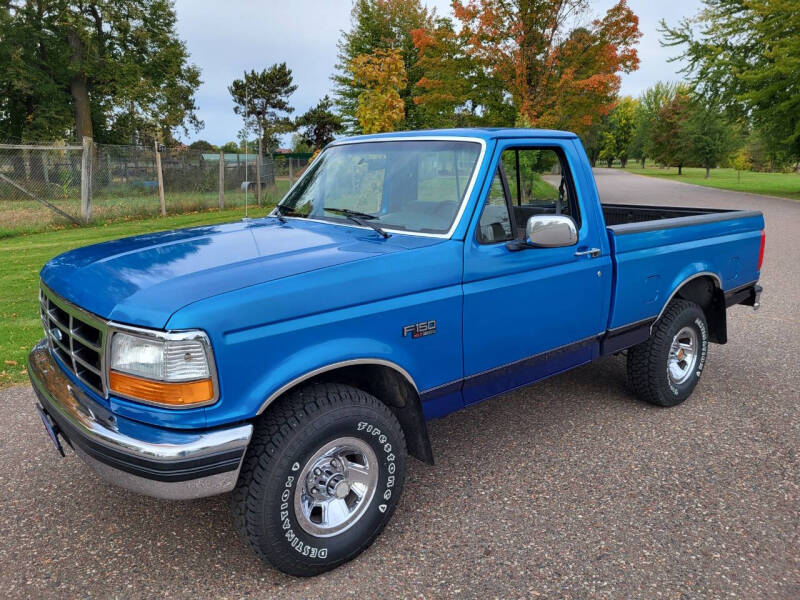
(56, 333)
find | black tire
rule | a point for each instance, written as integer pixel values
(288, 435)
(648, 372)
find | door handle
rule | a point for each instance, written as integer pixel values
(591, 252)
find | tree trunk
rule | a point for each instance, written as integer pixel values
(643, 162)
(708, 172)
(609, 161)
(623, 162)
(680, 169)
(79, 88)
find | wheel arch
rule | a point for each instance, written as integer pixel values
(704, 288)
(387, 381)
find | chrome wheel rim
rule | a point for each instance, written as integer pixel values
(683, 355)
(336, 486)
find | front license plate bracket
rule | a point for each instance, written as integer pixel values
(52, 429)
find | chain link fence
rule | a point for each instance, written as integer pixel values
(39, 181)
(42, 185)
(290, 166)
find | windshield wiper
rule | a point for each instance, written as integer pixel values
(280, 210)
(362, 218)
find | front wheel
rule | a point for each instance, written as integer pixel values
(321, 478)
(665, 369)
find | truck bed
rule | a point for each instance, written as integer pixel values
(657, 248)
(620, 216)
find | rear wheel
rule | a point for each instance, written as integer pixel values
(321, 478)
(665, 369)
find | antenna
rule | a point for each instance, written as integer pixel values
(246, 152)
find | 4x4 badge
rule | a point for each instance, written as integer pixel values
(418, 330)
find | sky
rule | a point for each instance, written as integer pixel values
(225, 39)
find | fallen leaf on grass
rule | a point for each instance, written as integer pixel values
(11, 363)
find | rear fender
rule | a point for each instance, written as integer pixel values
(704, 288)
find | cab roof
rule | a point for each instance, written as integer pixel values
(484, 133)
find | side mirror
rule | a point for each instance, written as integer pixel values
(551, 231)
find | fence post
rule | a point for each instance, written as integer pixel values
(45, 167)
(86, 179)
(221, 179)
(160, 181)
(291, 172)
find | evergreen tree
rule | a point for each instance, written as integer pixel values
(262, 98)
(319, 124)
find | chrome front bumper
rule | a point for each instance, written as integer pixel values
(162, 463)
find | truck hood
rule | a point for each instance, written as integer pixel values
(142, 280)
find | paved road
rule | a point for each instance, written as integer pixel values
(569, 489)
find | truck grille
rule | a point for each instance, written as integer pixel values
(76, 337)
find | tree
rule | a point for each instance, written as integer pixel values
(741, 162)
(746, 56)
(618, 137)
(710, 138)
(300, 145)
(381, 76)
(319, 124)
(669, 141)
(380, 25)
(446, 86)
(650, 103)
(229, 148)
(263, 100)
(203, 146)
(115, 71)
(558, 75)
(593, 138)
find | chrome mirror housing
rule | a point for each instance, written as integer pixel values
(551, 231)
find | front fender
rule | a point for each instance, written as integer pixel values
(327, 356)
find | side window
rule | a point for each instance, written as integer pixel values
(539, 183)
(495, 224)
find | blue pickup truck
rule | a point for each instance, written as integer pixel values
(293, 360)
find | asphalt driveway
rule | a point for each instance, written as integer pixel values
(568, 489)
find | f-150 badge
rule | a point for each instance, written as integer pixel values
(418, 330)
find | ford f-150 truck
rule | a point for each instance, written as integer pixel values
(293, 360)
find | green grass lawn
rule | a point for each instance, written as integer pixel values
(23, 216)
(22, 256)
(785, 185)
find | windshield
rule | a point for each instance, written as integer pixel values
(413, 185)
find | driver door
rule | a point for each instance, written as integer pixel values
(533, 312)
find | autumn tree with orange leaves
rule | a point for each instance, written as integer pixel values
(381, 75)
(561, 70)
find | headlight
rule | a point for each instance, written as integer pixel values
(167, 369)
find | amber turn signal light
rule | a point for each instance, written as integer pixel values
(161, 392)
